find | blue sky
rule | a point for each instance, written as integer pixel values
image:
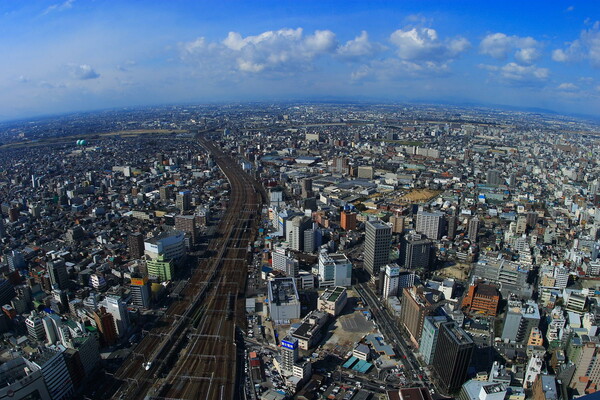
(78, 55)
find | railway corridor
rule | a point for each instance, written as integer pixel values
(192, 354)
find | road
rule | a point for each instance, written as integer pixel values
(390, 329)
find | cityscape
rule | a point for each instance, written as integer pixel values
(300, 200)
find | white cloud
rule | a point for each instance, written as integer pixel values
(281, 50)
(519, 75)
(359, 47)
(394, 68)
(586, 47)
(498, 45)
(82, 71)
(59, 7)
(567, 86)
(570, 8)
(423, 44)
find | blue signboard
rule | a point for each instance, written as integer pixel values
(289, 345)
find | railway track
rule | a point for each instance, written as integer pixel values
(192, 353)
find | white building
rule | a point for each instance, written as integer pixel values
(54, 370)
(170, 245)
(118, 308)
(284, 303)
(334, 270)
(391, 280)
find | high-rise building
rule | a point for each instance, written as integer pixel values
(289, 353)
(169, 244)
(391, 280)
(520, 320)
(118, 308)
(334, 270)
(365, 172)
(417, 303)
(35, 327)
(7, 291)
(54, 370)
(187, 224)
(377, 246)
(431, 224)
(298, 225)
(135, 242)
(306, 185)
(58, 274)
(397, 222)
(348, 220)
(451, 222)
(493, 177)
(165, 192)
(473, 229)
(429, 337)
(161, 268)
(106, 325)
(282, 260)
(452, 356)
(183, 200)
(340, 165)
(415, 251)
(140, 292)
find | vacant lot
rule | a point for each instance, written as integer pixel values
(418, 196)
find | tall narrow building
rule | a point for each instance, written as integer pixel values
(377, 246)
(473, 229)
(452, 356)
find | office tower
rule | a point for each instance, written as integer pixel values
(397, 223)
(106, 325)
(451, 222)
(165, 192)
(7, 292)
(306, 185)
(58, 274)
(365, 173)
(187, 224)
(289, 353)
(2, 228)
(532, 218)
(168, 244)
(183, 200)
(118, 308)
(298, 225)
(429, 337)
(340, 165)
(15, 260)
(377, 246)
(348, 220)
(417, 303)
(473, 229)
(282, 260)
(415, 252)
(452, 355)
(391, 280)
(309, 241)
(135, 243)
(493, 177)
(35, 327)
(51, 361)
(431, 224)
(334, 270)
(140, 293)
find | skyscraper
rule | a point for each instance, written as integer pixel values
(135, 242)
(306, 185)
(289, 353)
(391, 280)
(348, 220)
(431, 224)
(298, 225)
(377, 246)
(415, 252)
(452, 355)
(58, 274)
(183, 200)
(473, 229)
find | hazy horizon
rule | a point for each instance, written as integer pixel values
(76, 56)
